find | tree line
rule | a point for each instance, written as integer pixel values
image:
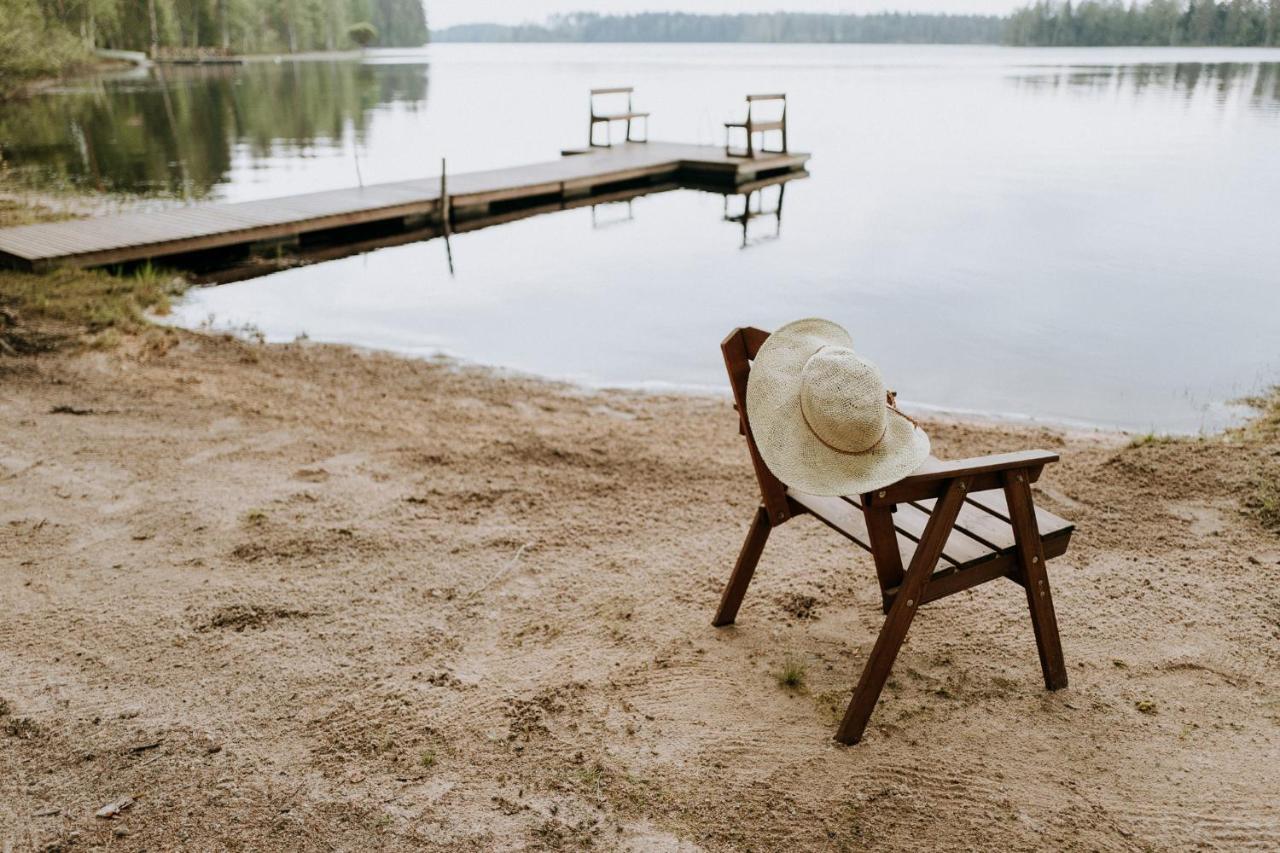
(1098, 23)
(45, 37)
(1043, 23)
(764, 27)
(48, 36)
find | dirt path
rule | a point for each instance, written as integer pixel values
(304, 598)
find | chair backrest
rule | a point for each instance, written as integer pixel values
(752, 100)
(611, 90)
(739, 349)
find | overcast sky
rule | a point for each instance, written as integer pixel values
(444, 13)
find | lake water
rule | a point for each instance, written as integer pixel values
(1083, 236)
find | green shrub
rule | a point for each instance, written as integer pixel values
(30, 47)
(363, 33)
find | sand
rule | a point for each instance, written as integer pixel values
(305, 598)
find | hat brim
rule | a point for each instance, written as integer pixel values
(791, 450)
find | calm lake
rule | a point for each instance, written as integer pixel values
(1083, 236)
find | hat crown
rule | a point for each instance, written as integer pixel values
(842, 398)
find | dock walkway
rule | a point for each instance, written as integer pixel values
(133, 237)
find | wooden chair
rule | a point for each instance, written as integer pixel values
(753, 125)
(950, 526)
(607, 119)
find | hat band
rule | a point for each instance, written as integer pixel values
(818, 436)
(891, 399)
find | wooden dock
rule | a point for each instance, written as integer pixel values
(205, 228)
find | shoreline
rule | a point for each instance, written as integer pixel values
(1244, 411)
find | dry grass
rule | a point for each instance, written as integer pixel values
(1152, 438)
(1263, 499)
(43, 312)
(13, 212)
(40, 312)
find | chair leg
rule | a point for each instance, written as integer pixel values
(901, 612)
(752, 548)
(880, 663)
(1044, 621)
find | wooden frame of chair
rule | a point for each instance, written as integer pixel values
(607, 119)
(932, 534)
(753, 126)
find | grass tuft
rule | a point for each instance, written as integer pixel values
(23, 728)
(791, 676)
(1151, 438)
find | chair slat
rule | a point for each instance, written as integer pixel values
(994, 503)
(619, 116)
(961, 548)
(847, 518)
(980, 524)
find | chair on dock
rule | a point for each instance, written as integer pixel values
(949, 526)
(607, 119)
(753, 125)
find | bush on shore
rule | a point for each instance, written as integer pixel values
(30, 48)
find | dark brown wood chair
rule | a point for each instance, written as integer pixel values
(952, 525)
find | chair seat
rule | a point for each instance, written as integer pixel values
(757, 125)
(617, 116)
(981, 545)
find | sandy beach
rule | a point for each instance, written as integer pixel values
(300, 597)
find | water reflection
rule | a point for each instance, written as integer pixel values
(176, 132)
(613, 213)
(742, 206)
(746, 213)
(1260, 81)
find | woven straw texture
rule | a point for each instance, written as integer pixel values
(819, 416)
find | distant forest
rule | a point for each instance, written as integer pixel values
(1093, 23)
(767, 27)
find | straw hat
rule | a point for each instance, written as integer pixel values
(821, 417)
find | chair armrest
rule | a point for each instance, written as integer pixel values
(986, 472)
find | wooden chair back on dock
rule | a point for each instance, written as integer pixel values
(629, 114)
(753, 125)
(950, 526)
